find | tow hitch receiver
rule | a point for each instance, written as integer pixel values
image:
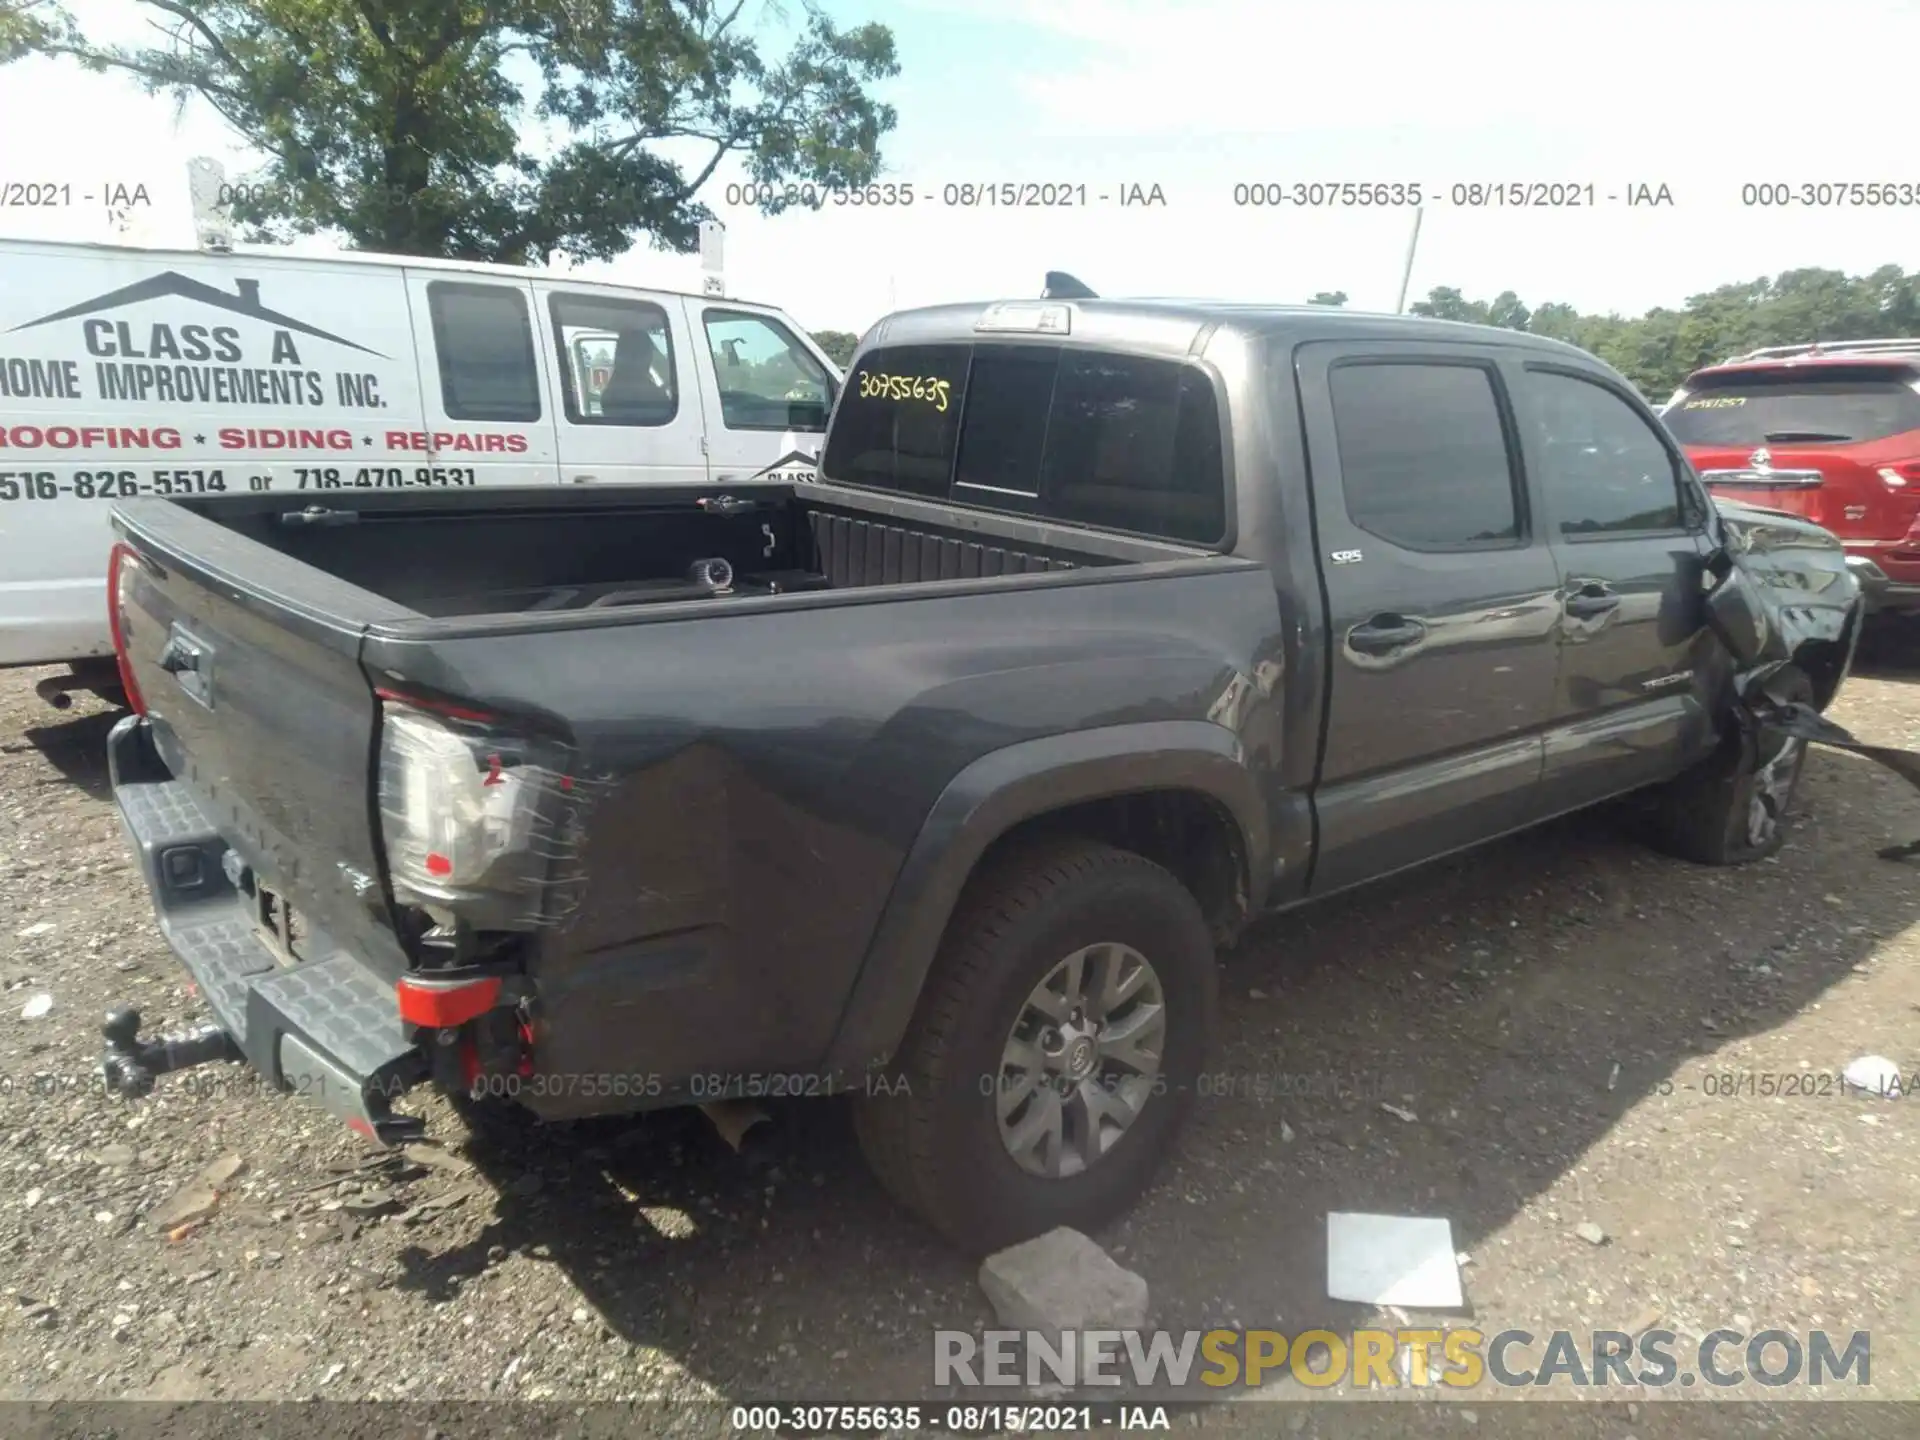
(131, 1066)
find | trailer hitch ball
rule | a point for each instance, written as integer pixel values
(125, 1074)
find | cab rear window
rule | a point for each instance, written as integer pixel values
(1118, 441)
(1796, 409)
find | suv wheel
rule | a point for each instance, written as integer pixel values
(1732, 808)
(1055, 1050)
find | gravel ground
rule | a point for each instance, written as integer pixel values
(1562, 1014)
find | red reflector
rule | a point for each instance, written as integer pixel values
(362, 1128)
(117, 627)
(438, 864)
(440, 1005)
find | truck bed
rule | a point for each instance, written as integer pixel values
(546, 552)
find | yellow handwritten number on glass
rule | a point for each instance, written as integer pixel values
(924, 388)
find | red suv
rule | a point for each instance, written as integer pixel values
(1831, 432)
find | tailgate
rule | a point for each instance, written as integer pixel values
(248, 666)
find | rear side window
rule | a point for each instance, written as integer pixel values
(1424, 459)
(616, 360)
(1116, 441)
(1802, 407)
(484, 341)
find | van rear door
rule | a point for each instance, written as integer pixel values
(488, 408)
(624, 376)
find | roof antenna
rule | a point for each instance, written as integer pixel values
(1062, 286)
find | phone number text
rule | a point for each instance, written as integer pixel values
(130, 484)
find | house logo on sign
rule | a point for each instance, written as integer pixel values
(170, 283)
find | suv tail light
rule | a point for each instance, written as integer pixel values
(1901, 474)
(122, 568)
(478, 823)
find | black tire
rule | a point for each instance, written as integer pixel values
(931, 1134)
(1709, 814)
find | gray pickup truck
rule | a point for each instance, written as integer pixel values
(1108, 627)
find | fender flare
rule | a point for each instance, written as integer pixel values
(986, 800)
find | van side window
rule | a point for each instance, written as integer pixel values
(616, 360)
(767, 379)
(1424, 457)
(484, 341)
(1604, 470)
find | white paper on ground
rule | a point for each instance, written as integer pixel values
(1405, 1260)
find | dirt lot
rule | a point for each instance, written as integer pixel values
(1564, 1014)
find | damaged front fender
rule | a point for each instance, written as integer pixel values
(1781, 598)
(1780, 588)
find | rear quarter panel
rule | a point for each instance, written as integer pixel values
(762, 776)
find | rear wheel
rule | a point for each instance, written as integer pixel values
(1732, 808)
(1055, 1051)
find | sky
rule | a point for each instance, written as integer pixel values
(1198, 97)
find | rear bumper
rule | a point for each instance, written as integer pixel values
(328, 1029)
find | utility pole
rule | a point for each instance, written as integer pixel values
(1406, 274)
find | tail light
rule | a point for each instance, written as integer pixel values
(1901, 475)
(122, 568)
(478, 822)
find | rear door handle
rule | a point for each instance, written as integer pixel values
(1590, 600)
(1384, 633)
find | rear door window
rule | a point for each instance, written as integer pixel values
(1424, 456)
(1116, 441)
(1832, 407)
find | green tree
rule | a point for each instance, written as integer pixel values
(415, 128)
(1507, 312)
(30, 25)
(1329, 297)
(839, 345)
(1659, 349)
(1443, 302)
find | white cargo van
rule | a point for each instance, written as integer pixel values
(157, 372)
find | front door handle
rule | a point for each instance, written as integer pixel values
(1590, 600)
(1384, 633)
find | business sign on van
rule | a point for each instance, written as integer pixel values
(208, 374)
(187, 362)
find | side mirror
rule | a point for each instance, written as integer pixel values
(1735, 612)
